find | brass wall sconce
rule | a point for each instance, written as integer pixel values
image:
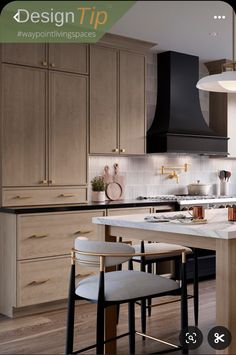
(171, 171)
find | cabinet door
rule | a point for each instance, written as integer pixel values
(25, 54)
(132, 103)
(103, 100)
(67, 129)
(72, 57)
(23, 126)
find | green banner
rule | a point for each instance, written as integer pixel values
(59, 21)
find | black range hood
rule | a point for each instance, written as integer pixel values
(179, 125)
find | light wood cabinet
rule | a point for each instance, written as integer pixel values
(132, 103)
(35, 251)
(69, 57)
(23, 126)
(117, 101)
(44, 134)
(103, 100)
(67, 129)
(31, 54)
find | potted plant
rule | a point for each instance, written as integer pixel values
(98, 189)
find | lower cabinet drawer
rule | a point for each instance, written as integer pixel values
(43, 196)
(47, 235)
(42, 281)
(46, 280)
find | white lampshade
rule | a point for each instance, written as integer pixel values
(224, 82)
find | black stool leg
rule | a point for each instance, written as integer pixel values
(100, 316)
(71, 313)
(184, 302)
(196, 287)
(149, 267)
(131, 328)
(143, 317)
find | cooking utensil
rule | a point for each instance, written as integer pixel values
(227, 175)
(198, 188)
(222, 175)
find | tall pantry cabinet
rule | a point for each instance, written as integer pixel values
(44, 124)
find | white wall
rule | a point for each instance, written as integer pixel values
(143, 174)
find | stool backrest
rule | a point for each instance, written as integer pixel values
(98, 247)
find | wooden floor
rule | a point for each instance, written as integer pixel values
(45, 333)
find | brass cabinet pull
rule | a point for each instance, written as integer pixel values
(37, 283)
(53, 65)
(122, 150)
(43, 182)
(44, 63)
(22, 197)
(67, 195)
(83, 232)
(38, 236)
(115, 150)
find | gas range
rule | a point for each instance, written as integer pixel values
(187, 201)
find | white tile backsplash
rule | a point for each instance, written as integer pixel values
(143, 174)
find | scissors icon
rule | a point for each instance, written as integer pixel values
(219, 338)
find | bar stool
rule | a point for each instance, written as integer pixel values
(146, 264)
(118, 287)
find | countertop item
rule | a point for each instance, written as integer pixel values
(198, 188)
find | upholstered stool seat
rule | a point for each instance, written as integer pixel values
(125, 285)
(159, 247)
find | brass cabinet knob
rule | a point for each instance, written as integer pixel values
(44, 182)
(51, 181)
(122, 150)
(53, 65)
(115, 150)
(44, 63)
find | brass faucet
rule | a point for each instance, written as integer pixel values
(173, 174)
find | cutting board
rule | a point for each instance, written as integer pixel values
(115, 183)
(107, 176)
(119, 179)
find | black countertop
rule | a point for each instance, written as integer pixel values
(87, 206)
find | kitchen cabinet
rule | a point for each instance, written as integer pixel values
(44, 136)
(69, 57)
(35, 249)
(132, 103)
(222, 110)
(67, 129)
(117, 101)
(34, 55)
(103, 100)
(23, 126)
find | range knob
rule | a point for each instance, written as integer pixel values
(228, 206)
(221, 206)
(190, 208)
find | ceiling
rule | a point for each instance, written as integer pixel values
(183, 26)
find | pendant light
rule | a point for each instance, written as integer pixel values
(226, 81)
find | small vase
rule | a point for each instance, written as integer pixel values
(98, 196)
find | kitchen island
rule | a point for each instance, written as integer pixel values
(217, 234)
